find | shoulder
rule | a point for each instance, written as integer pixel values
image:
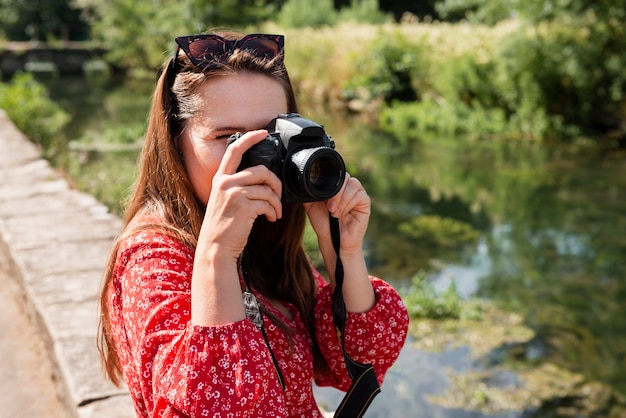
(149, 238)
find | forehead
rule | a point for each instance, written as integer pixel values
(244, 100)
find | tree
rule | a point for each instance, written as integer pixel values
(397, 8)
(140, 33)
(42, 20)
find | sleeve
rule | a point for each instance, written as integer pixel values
(374, 337)
(181, 369)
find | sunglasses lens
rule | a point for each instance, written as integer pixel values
(206, 49)
(203, 50)
(261, 47)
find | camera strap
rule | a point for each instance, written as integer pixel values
(253, 311)
(364, 385)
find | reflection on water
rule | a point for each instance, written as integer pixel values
(551, 241)
(415, 376)
(552, 234)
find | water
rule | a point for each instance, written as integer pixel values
(549, 243)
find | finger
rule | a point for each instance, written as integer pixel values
(359, 203)
(354, 197)
(269, 201)
(256, 183)
(333, 203)
(260, 175)
(253, 208)
(232, 157)
(317, 213)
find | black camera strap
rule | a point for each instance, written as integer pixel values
(364, 382)
(253, 311)
(364, 385)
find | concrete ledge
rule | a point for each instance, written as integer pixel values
(54, 241)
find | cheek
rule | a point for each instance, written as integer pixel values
(201, 162)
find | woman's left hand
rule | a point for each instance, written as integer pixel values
(352, 207)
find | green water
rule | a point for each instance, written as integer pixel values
(549, 226)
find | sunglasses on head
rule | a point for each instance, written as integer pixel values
(207, 50)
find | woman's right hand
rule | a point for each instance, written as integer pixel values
(238, 197)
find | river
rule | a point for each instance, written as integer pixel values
(538, 230)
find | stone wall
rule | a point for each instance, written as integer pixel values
(54, 241)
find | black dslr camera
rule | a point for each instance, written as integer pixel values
(303, 157)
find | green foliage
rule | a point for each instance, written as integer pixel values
(304, 13)
(424, 302)
(424, 9)
(239, 13)
(550, 10)
(555, 80)
(363, 11)
(554, 77)
(108, 176)
(23, 20)
(480, 11)
(436, 231)
(493, 11)
(407, 121)
(28, 105)
(589, 55)
(307, 14)
(563, 73)
(138, 33)
(128, 134)
(466, 95)
(391, 69)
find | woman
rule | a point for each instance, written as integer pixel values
(197, 230)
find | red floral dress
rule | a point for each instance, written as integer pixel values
(176, 369)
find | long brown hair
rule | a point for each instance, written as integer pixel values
(276, 262)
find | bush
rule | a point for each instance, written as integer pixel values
(305, 13)
(484, 11)
(363, 11)
(556, 80)
(128, 134)
(423, 302)
(438, 232)
(391, 70)
(28, 105)
(314, 14)
(320, 60)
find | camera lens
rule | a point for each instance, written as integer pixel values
(316, 173)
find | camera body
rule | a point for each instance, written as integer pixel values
(303, 157)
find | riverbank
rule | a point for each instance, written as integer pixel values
(54, 242)
(44, 224)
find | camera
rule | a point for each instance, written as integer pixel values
(303, 157)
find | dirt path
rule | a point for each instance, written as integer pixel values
(27, 388)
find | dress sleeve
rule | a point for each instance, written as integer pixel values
(173, 367)
(373, 337)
